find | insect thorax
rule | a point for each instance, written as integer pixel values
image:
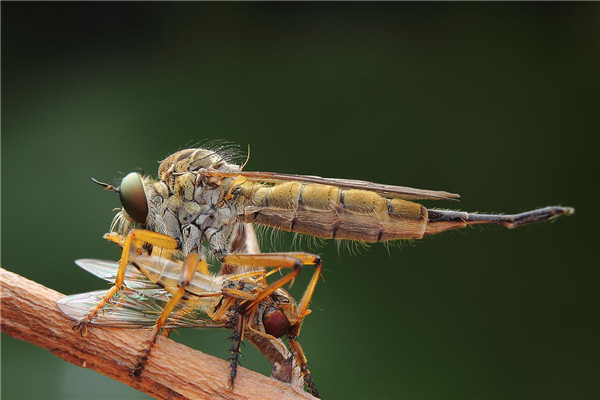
(189, 204)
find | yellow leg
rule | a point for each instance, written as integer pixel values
(134, 240)
(280, 260)
(302, 311)
(190, 265)
(238, 294)
(227, 303)
(308, 293)
(249, 274)
(274, 260)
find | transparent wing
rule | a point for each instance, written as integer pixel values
(167, 273)
(107, 270)
(152, 272)
(401, 192)
(137, 308)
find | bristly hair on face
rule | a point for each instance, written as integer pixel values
(120, 223)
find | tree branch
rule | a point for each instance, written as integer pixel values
(174, 371)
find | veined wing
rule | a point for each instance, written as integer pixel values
(151, 272)
(131, 308)
(107, 270)
(167, 273)
(391, 191)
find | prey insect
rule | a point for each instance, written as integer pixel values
(201, 197)
(163, 294)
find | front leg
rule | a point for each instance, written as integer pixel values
(134, 241)
(190, 265)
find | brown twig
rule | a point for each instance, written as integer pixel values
(174, 371)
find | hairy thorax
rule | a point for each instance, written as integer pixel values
(191, 206)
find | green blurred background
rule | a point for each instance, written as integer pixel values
(496, 101)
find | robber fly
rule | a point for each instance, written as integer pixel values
(201, 196)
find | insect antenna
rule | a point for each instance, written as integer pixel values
(106, 185)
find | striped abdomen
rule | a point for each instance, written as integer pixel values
(330, 212)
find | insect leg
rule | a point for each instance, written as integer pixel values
(301, 360)
(243, 240)
(235, 348)
(227, 303)
(295, 331)
(238, 294)
(135, 239)
(300, 260)
(308, 293)
(286, 260)
(190, 265)
(274, 260)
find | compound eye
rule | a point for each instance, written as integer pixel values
(276, 322)
(133, 197)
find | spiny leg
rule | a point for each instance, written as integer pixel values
(187, 272)
(301, 361)
(238, 333)
(134, 240)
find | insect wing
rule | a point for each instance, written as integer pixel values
(107, 270)
(133, 309)
(391, 191)
(167, 273)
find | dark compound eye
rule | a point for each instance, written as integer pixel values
(276, 322)
(133, 197)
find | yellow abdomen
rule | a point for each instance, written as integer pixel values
(330, 212)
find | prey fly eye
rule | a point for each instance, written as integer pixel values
(133, 197)
(276, 322)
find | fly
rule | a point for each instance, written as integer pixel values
(201, 197)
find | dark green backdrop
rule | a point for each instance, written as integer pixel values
(496, 101)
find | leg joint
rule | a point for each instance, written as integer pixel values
(318, 261)
(298, 265)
